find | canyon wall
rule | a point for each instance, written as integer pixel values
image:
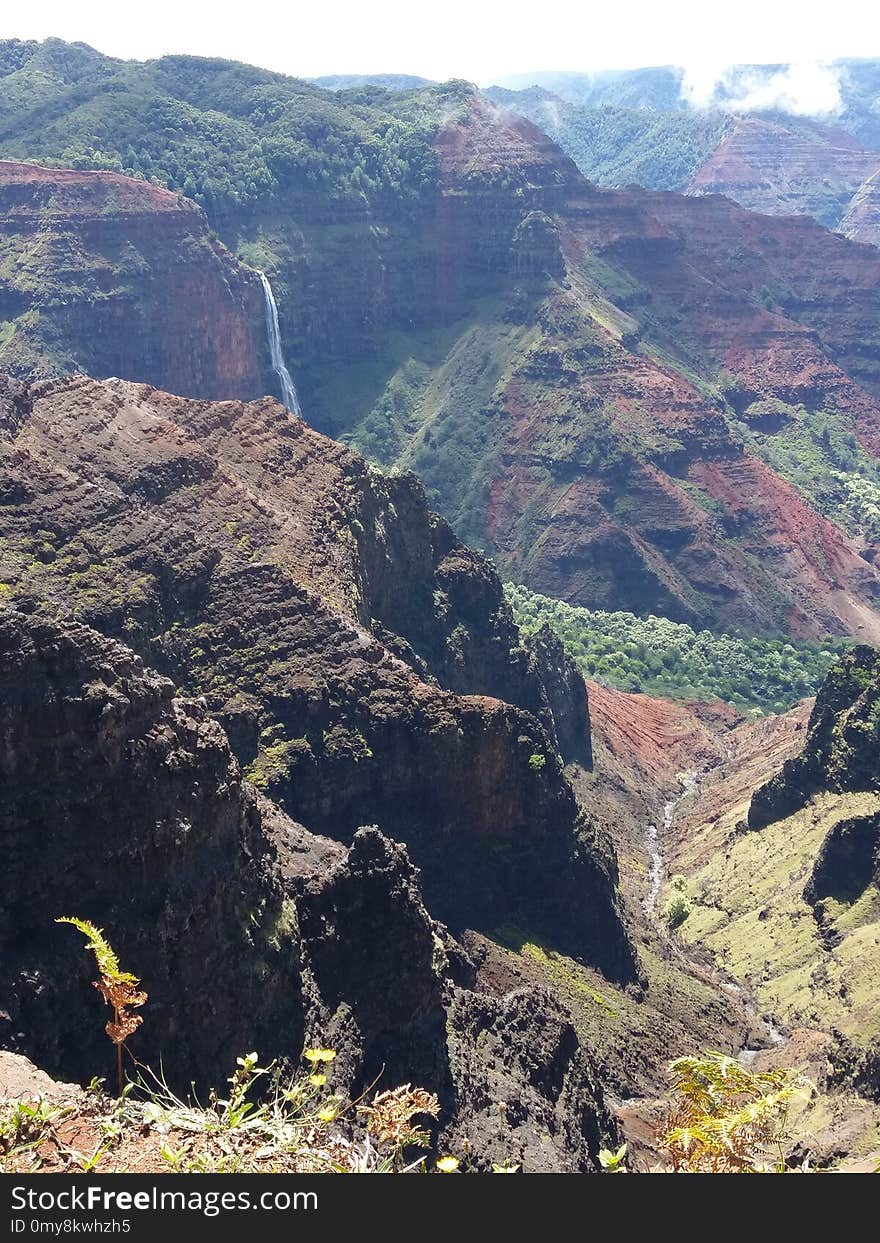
(113, 276)
(262, 566)
(123, 804)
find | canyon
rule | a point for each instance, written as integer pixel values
(265, 712)
(614, 393)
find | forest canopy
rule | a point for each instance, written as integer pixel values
(657, 656)
(222, 133)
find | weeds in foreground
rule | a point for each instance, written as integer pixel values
(270, 1120)
(390, 1124)
(726, 1119)
(118, 988)
(24, 1126)
(613, 1162)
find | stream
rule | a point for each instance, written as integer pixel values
(690, 782)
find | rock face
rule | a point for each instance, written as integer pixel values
(847, 863)
(618, 393)
(105, 274)
(841, 749)
(537, 1073)
(862, 219)
(602, 433)
(123, 803)
(364, 664)
(780, 170)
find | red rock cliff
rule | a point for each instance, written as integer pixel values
(114, 276)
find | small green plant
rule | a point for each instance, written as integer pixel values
(537, 761)
(118, 988)
(232, 1111)
(88, 1161)
(613, 1162)
(24, 1125)
(678, 906)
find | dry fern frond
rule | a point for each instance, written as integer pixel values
(725, 1118)
(118, 988)
(390, 1116)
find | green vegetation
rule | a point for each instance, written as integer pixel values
(678, 906)
(269, 1120)
(819, 453)
(750, 913)
(660, 657)
(220, 132)
(726, 1119)
(618, 146)
(613, 1162)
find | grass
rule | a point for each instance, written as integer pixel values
(268, 1120)
(747, 907)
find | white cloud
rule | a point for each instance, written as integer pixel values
(805, 89)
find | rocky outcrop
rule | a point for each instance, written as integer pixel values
(862, 219)
(525, 1093)
(123, 804)
(855, 1066)
(373, 961)
(112, 276)
(847, 863)
(247, 557)
(566, 694)
(841, 748)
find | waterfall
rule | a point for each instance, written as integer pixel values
(288, 388)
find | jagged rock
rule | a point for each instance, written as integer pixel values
(841, 748)
(848, 861)
(372, 960)
(567, 698)
(123, 804)
(855, 1066)
(524, 1090)
(246, 556)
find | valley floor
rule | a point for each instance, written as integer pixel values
(743, 974)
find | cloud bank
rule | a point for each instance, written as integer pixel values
(804, 89)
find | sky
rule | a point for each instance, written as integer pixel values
(480, 40)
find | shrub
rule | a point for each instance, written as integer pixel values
(677, 909)
(661, 657)
(726, 1119)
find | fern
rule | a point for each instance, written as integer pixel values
(105, 955)
(118, 988)
(725, 1118)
